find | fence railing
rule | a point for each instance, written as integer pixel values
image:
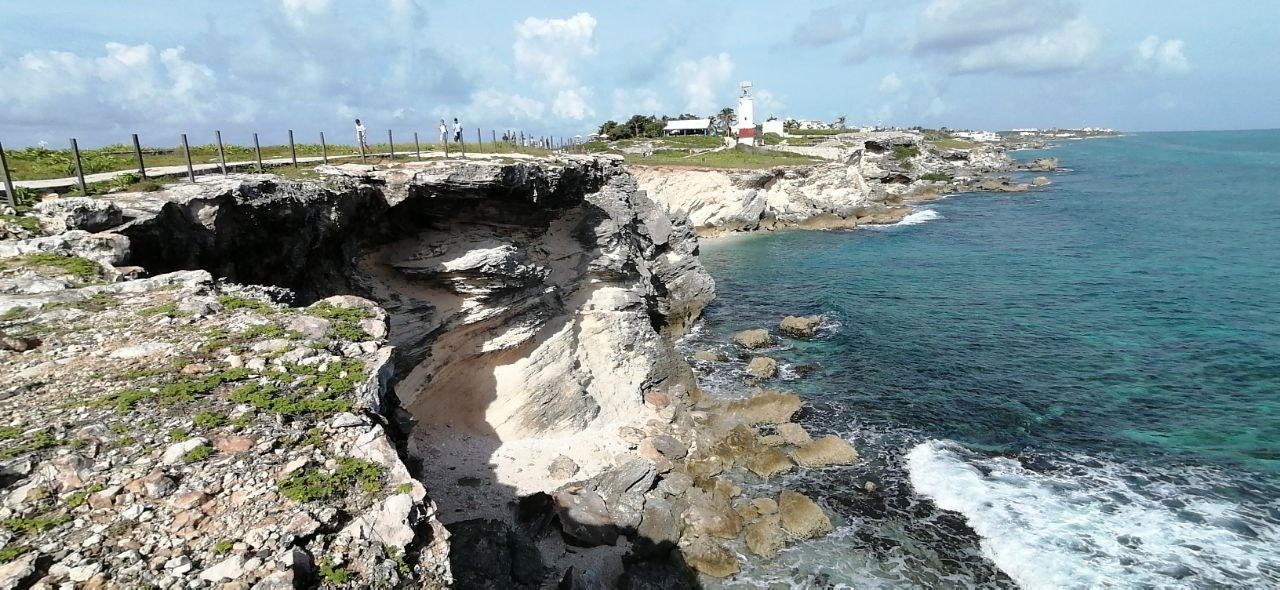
(163, 164)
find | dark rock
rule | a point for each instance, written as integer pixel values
(576, 579)
(670, 447)
(488, 555)
(585, 517)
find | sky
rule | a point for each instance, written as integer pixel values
(99, 71)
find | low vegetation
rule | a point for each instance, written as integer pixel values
(735, 158)
(82, 269)
(312, 484)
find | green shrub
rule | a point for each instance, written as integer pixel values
(905, 151)
(232, 303)
(936, 176)
(12, 552)
(311, 484)
(39, 441)
(198, 454)
(223, 547)
(209, 420)
(35, 525)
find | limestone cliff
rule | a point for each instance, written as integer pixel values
(531, 307)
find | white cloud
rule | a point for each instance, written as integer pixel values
(127, 85)
(704, 82)
(548, 49)
(296, 12)
(1065, 48)
(767, 103)
(1165, 55)
(571, 103)
(491, 104)
(830, 24)
(1008, 36)
(890, 83)
(631, 101)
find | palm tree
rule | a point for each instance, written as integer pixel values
(727, 116)
(840, 121)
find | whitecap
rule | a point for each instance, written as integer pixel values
(918, 217)
(1107, 527)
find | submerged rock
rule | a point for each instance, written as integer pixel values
(799, 327)
(762, 367)
(828, 450)
(752, 339)
(767, 407)
(766, 537)
(802, 517)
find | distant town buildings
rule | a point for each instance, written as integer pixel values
(977, 135)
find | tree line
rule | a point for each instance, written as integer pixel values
(651, 126)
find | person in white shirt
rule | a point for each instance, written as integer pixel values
(457, 131)
(444, 132)
(362, 137)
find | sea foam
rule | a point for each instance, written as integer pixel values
(918, 217)
(1104, 527)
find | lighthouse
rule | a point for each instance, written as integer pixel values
(746, 126)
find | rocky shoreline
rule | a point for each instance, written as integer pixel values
(445, 374)
(252, 382)
(872, 181)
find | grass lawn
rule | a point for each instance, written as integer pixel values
(723, 159)
(951, 144)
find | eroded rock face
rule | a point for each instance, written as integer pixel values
(527, 299)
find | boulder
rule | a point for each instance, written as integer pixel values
(1044, 164)
(562, 467)
(708, 556)
(802, 517)
(766, 407)
(710, 356)
(669, 447)
(584, 516)
(769, 462)
(762, 367)
(828, 450)
(793, 434)
(753, 339)
(1040, 181)
(799, 326)
(91, 215)
(766, 537)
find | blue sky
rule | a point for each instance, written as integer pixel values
(101, 70)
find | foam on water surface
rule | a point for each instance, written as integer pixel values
(1107, 525)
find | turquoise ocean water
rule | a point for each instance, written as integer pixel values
(1075, 387)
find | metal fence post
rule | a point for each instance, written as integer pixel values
(257, 149)
(293, 151)
(493, 133)
(186, 151)
(444, 142)
(222, 154)
(391, 142)
(479, 142)
(8, 180)
(137, 152)
(324, 149)
(75, 155)
(417, 146)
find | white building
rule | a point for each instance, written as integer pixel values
(689, 127)
(977, 135)
(774, 126)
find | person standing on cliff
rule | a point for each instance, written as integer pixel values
(457, 131)
(444, 132)
(362, 137)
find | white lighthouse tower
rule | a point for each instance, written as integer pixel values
(746, 127)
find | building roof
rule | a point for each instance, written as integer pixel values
(687, 124)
